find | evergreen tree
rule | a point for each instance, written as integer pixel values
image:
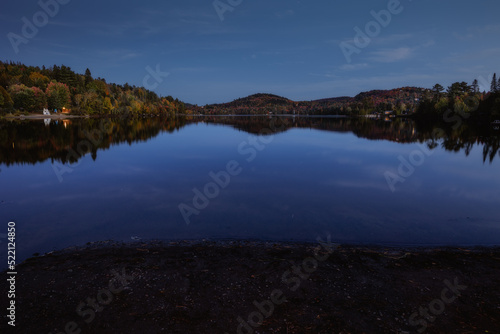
(437, 89)
(55, 72)
(454, 90)
(475, 86)
(66, 76)
(494, 84)
(88, 77)
(465, 87)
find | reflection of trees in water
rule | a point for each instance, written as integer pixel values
(400, 130)
(490, 149)
(464, 138)
(31, 142)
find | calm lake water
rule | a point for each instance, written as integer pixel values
(73, 182)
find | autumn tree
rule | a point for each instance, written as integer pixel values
(39, 80)
(99, 87)
(59, 86)
(22, 96)
(107, 106)
(58, 95)
(40, 99)
(77, 99)
(5, 99)
(91, 102)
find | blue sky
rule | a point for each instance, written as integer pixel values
(289, 48)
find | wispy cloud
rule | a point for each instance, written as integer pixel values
(464, 36)
(123, 29)
(360, 184)
(285, 13)
(477, 32)
(476, 56)
(429, 43)
(130, 55)
(325, 75)
(391, 55)
(353, 67)
(393, 38)
(118, 54)
(194, 69)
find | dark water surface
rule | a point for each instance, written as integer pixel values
(87, 180)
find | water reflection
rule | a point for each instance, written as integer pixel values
(316, 175)
(34, 141)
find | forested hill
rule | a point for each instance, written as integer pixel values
(253, 104)
(31, 88)
(401, 100)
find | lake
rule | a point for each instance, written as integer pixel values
(389, 182)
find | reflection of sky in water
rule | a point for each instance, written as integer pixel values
(303, 184)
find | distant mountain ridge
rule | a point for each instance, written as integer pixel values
(399, 100)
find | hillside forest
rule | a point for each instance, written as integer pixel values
(30, 89)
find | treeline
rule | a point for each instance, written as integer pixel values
(401, 100)
(257, 104)
(464, 100)
(31, 89)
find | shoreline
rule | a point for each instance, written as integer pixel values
(258, 287)
(36, 116)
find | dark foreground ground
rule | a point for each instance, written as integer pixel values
(248, 287)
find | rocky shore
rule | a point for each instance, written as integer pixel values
(256, 287)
